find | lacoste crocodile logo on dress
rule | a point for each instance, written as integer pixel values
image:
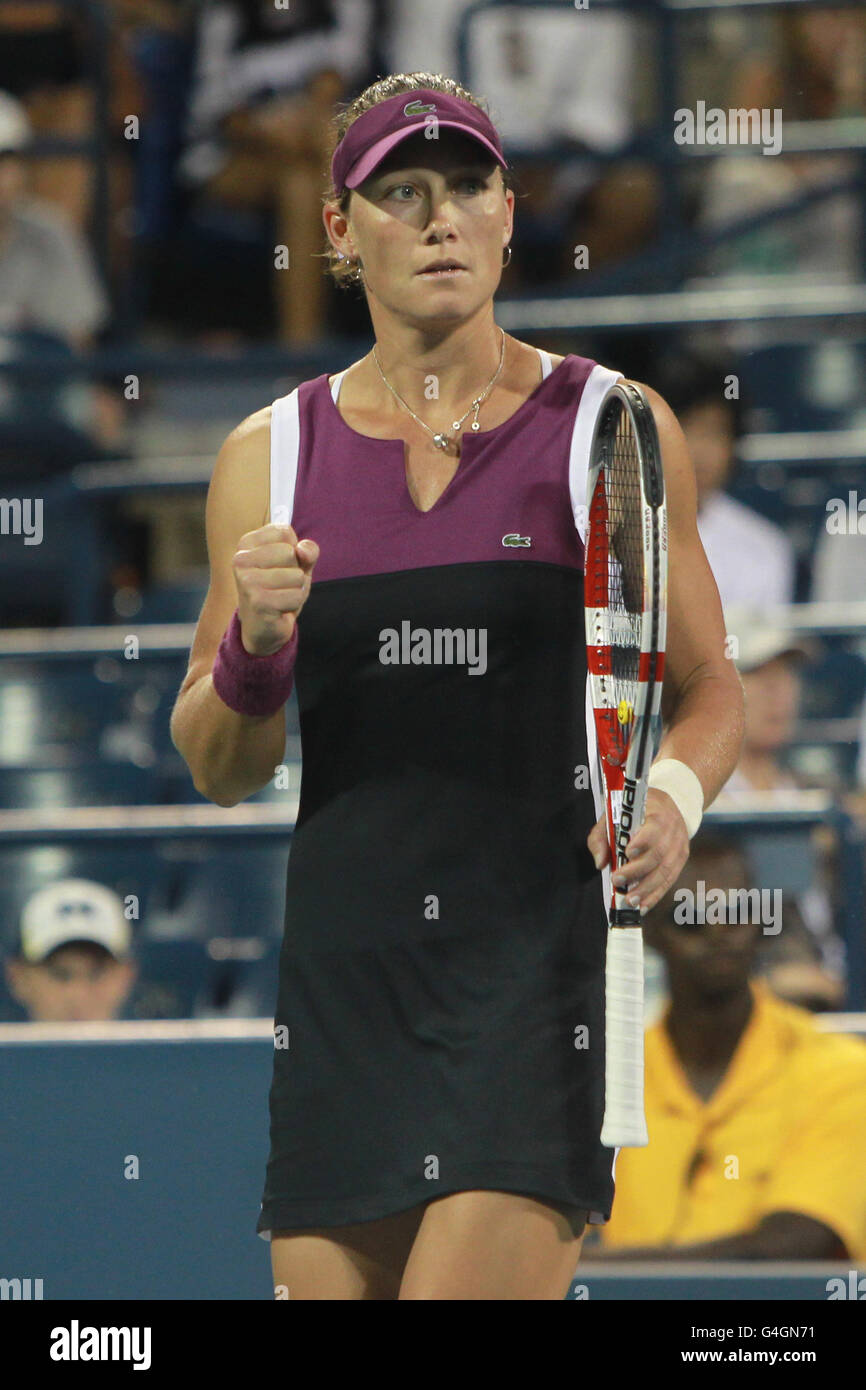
(513, 538)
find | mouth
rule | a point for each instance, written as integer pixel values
(442, 270)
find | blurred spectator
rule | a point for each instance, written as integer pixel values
(569, 76)
(769, 660)
(751, 558)
(753, 1112)
(48, 281)
(74, 960)
(265, 80)
(812, 68)
(51, 305)
(44, 63)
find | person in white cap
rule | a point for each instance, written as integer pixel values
(769, 658)
(74, 960)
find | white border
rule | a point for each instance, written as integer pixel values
(285, 444)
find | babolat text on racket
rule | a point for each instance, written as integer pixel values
(625, 587)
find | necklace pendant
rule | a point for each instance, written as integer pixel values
(455, 425)
(475, 425)
(441, 441)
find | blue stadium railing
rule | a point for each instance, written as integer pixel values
(146, 826)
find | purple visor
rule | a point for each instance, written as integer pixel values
(371, 136)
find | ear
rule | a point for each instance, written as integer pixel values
(17, 975)
(509, 208)
(337, 229)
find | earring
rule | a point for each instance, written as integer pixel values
(508, 262)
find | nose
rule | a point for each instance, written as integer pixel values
(79, 996)
(438, 225)
(439, 206)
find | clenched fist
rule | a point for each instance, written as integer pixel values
(273, 571)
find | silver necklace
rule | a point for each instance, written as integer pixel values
(440, 439)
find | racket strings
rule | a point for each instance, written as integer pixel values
(625, 578)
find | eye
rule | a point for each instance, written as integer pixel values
(398, 187)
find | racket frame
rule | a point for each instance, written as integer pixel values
(625, 1123)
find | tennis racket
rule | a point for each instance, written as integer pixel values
(625, 585)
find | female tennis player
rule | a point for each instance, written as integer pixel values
(403, 540)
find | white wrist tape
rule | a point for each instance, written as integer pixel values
(682, 786)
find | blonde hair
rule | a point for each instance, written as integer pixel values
(345, 274)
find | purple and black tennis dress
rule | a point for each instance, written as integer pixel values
(442, 971)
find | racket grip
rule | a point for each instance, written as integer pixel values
(624, 1120)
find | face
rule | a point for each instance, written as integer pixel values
(710, 437)
(74, 984)
(825, 35)
(429, 200)
(712, 958)
(772, 705)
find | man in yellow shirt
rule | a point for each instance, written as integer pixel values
(756, 1117)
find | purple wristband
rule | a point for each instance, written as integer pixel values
(248, 684)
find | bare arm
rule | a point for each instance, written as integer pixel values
(702, 701)
(229, 755)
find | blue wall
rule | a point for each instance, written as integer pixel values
(194, 1112)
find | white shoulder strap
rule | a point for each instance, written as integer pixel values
(285, 441)
(338, 381)
(594, 390)
(546, 363)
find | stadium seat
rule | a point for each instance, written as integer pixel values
(171, 981)
(172, 603)
(229, 890)
(783, 859)
(243, 976)
(81, 703)
(784, 385)
(78, 784)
